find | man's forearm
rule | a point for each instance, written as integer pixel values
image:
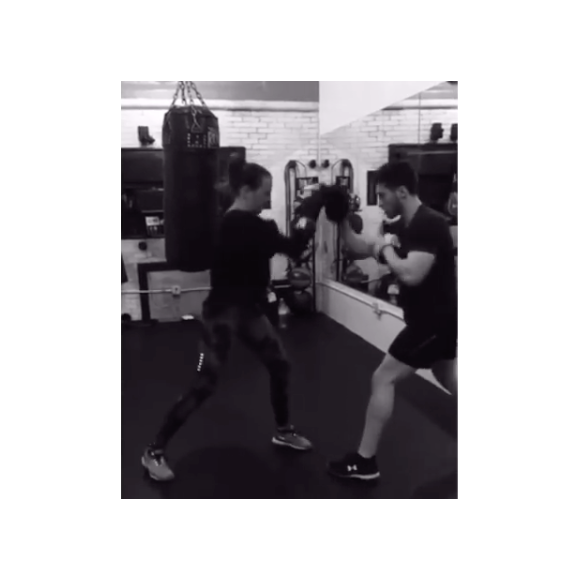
(356, 245)
(399, 266)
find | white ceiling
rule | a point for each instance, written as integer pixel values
(164, 89)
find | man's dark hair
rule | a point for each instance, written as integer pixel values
(398, 174)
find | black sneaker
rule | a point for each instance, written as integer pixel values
(353, 466)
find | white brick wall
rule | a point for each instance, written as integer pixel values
(268, 135)
(368, 139)
(272, 138)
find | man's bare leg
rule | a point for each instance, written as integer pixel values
(363, 465)
(381, 403)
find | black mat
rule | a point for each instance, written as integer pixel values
(225, 450)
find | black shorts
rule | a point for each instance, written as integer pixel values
(420, 347)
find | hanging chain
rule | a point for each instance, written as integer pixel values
(178, 92)
(191, 89)
(198, 94)
(190, 92)
(187, 89)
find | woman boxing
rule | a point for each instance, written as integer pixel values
(240, 279)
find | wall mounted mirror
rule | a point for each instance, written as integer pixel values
(420, 129)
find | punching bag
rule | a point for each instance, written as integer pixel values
(191, 149)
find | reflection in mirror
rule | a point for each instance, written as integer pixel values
(421, 131)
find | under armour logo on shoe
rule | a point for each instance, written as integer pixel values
(352, 468)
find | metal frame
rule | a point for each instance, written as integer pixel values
(299, 182)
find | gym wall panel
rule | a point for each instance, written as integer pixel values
(132, 256)
(164, 307)
(169, 308)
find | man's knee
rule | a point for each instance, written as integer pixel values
(390, 372)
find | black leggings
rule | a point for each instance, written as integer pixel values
(219, 327)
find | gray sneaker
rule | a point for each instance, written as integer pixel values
(289, 437)
(156, 465)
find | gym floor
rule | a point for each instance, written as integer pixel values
(224, 451)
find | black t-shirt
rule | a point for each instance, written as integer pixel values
(240, 271)
(434, 301)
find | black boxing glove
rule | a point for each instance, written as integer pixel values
(336, 202)
(311, 206)
(302, 230)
